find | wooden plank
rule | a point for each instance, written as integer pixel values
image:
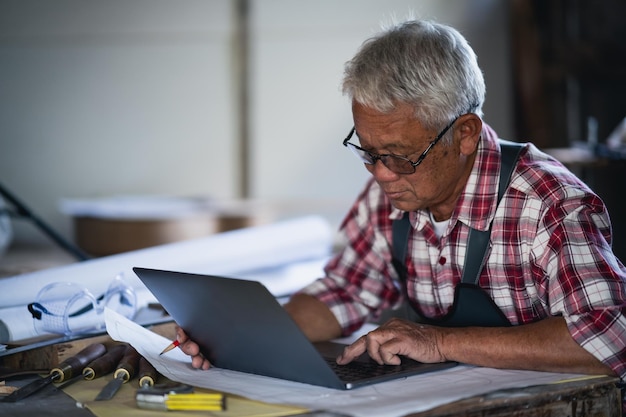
(40, 359)
(589, 397)
(48, 356)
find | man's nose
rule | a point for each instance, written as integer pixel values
(380, 171)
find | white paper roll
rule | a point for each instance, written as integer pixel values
(16, 324)
(235, 253)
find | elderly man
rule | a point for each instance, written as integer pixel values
(546, 291)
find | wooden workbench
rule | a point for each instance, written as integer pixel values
(590, 397)
(599, 396)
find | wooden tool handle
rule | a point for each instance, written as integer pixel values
(147, 374)
(104, 364)
(129, 364)
(76, 363)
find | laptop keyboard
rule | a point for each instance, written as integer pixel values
(358, 371)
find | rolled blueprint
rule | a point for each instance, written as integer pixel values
(271, 249)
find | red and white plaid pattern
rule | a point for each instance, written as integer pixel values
(550, 254)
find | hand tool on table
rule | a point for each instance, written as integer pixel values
(126, 370)
(188, 402)
(179, 397)
(100, 366)
(147, 373)
(65, 371)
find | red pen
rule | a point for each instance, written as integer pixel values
(171, 346)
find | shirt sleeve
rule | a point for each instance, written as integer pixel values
(359, 282)
(586, 282)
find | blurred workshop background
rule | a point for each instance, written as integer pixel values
(234, 106)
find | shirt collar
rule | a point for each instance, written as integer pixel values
(478, 201)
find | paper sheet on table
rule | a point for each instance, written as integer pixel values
(393, 398)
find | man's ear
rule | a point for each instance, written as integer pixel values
(468, 128)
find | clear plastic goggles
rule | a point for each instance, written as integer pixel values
(68, 308)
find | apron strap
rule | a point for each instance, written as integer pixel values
(478, 240)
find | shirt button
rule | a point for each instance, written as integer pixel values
(442, 260)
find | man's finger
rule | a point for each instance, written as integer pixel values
(190, 348)
(388, 354)
(352, 351)
(374, 342)
(200, 362)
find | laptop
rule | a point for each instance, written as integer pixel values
(239, 325)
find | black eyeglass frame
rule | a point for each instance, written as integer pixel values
(375, 157)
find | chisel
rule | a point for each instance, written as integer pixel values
(125, 371)
(99, 367)
(147, 374)
(104, 364)
(66, 370)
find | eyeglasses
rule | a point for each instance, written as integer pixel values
(395, 163)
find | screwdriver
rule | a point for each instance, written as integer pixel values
(147, 374)
(125, 371)
(66, 370)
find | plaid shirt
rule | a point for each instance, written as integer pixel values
(550, 254)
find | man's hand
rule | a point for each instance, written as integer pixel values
(192, 349)
(397, 338)
(545, 345)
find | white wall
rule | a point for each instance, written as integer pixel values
(137, 96)
(114, 97)
(299, 115)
